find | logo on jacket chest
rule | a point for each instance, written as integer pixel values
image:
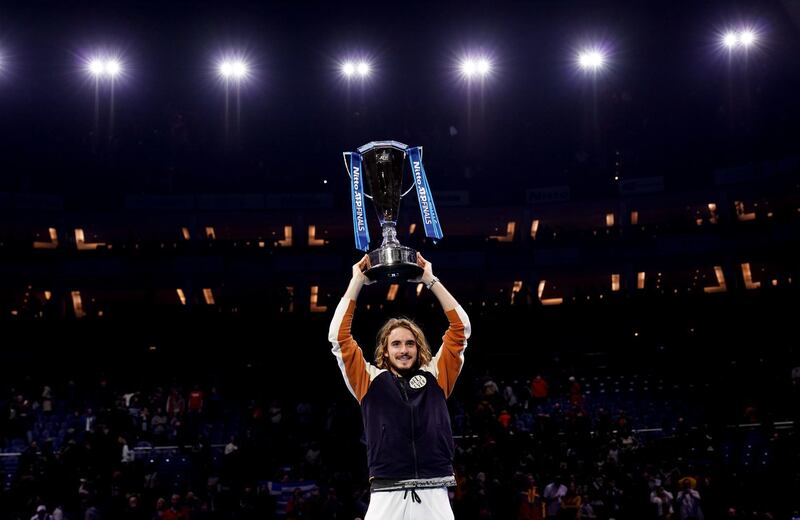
(417, 382)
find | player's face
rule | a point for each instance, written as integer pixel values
(402, 350)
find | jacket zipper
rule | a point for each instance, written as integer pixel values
(413, 444)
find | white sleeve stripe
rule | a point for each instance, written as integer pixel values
(336, 348)
(333, 337)
(373, 371)
(462, 314)
(433, 366)
(338, 353)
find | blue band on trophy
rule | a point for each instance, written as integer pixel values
(360, 229)
(426, 206)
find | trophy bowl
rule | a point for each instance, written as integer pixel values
(376, 172)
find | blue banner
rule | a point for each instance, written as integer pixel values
(426, 206)
(360, 229)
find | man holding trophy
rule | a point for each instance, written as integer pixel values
(403, 394)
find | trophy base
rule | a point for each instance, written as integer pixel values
(393, 263)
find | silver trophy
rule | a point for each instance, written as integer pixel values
(382, 167)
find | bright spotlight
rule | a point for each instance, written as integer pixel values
(739, 39)
(591, 60)
(469, 67)
(348, 68)
(233, 69)
(239, 69)
(747, 37)
(96, 67)
(363, 69)
(113, 67)
(104, 67)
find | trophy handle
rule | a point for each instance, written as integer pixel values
(347, 169)
(405, 155)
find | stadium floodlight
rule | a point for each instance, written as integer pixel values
(348, 69)
(363, 69)
(113, 67)
(475, 67)
(240, 69)
(747, 37)
(233, 69)
(468, 68)
(591, 60)
(360, 68)
(96, 67)
(104, 67)
(742, 38)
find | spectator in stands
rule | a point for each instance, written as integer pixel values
(232, 447)
(553, 493)
(88, 420)
(570, 504)
(176, 510)
(531, 504)
(143, 423)
(587, 510)
(47, 400)
(504, 419)
(158, 426)
(539, 389)
(688, 502)
(491, 392)
(662, 501)
(195, 405)
(128, 455)
(42, 514)
(175, 403)
(510, 396)
(404, 397)
(484, 417)
(161, 508)
(133, 511)
(194, 411)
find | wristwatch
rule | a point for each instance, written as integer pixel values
(434, 280)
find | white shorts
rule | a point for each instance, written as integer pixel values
(390, 505)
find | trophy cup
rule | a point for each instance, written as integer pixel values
(376, 173)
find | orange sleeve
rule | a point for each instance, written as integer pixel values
(450, 358)
(356, 371)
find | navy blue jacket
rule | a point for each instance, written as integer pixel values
(406, 421)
